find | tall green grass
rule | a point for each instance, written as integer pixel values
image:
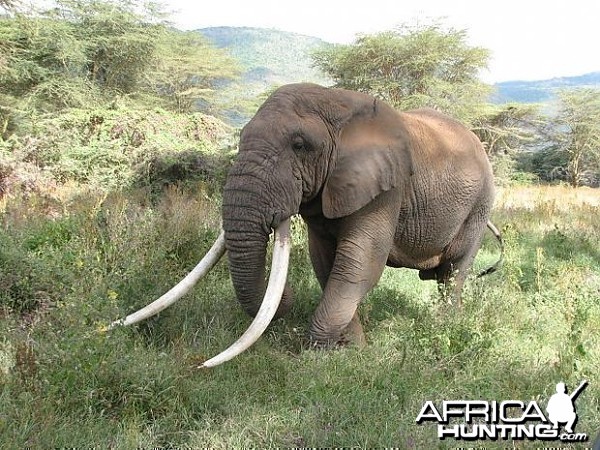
(69, 267)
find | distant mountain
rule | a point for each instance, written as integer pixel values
(541, 90)
(268, 58)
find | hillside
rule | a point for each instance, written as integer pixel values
(269, 58)
(541, 90)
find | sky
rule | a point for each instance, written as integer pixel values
(529, 39)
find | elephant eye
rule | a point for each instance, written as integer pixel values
(298, 143)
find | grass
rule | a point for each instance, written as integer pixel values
(69, 266)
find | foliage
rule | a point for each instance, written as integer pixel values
(189, 70)
(573, 137)
(506, 131)
(71, 55)
(89, 52)
(38, 57)
(411, 67)
(115, 149)
(118, 38)
(97, 257)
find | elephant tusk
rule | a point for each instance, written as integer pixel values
(180, 289)
(272, 298)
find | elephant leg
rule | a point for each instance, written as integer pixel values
(359, 262)
(450, 281)
(452, 273)
(322, 255)
(354, 333)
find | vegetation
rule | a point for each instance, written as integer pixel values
(411, 67)
(89, 52)
(92, 258)
(111, 149)
(574, 136)
(189, 71)
(110, 187)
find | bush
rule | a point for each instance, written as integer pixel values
(117, 149)
(34, 271)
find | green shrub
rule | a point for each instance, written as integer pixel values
(122, 148)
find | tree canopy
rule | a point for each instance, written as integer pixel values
(411, 67)
(573, 136)
(81, 52)
(188, 70)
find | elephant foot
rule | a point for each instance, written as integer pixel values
(353, 334)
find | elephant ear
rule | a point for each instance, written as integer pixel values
(372, 157)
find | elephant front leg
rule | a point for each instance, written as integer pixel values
(358, 265)
(322, 249)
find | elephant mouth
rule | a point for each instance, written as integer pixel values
(269, 305)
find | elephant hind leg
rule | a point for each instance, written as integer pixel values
(450, 282)
(322, 255)
(449, 279)
(451, 273)
(450, 276)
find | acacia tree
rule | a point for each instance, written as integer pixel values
(412, 67)
(86, 52)
(574, 135)
(118, 37)
(188, 70)
(75, 53)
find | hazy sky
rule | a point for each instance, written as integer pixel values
(528, 39)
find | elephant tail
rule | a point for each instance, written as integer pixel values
(498, 236)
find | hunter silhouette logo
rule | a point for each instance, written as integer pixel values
(561, 406)
(509, 419)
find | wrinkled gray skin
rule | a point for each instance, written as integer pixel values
(375, 187)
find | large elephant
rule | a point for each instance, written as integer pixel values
(375, 187)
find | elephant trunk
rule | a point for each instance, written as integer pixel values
(249, 216)
(247, 260)
(247, 257)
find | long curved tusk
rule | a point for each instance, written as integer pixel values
(268, 308)
(180, 289)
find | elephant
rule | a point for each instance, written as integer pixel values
(376, 187)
